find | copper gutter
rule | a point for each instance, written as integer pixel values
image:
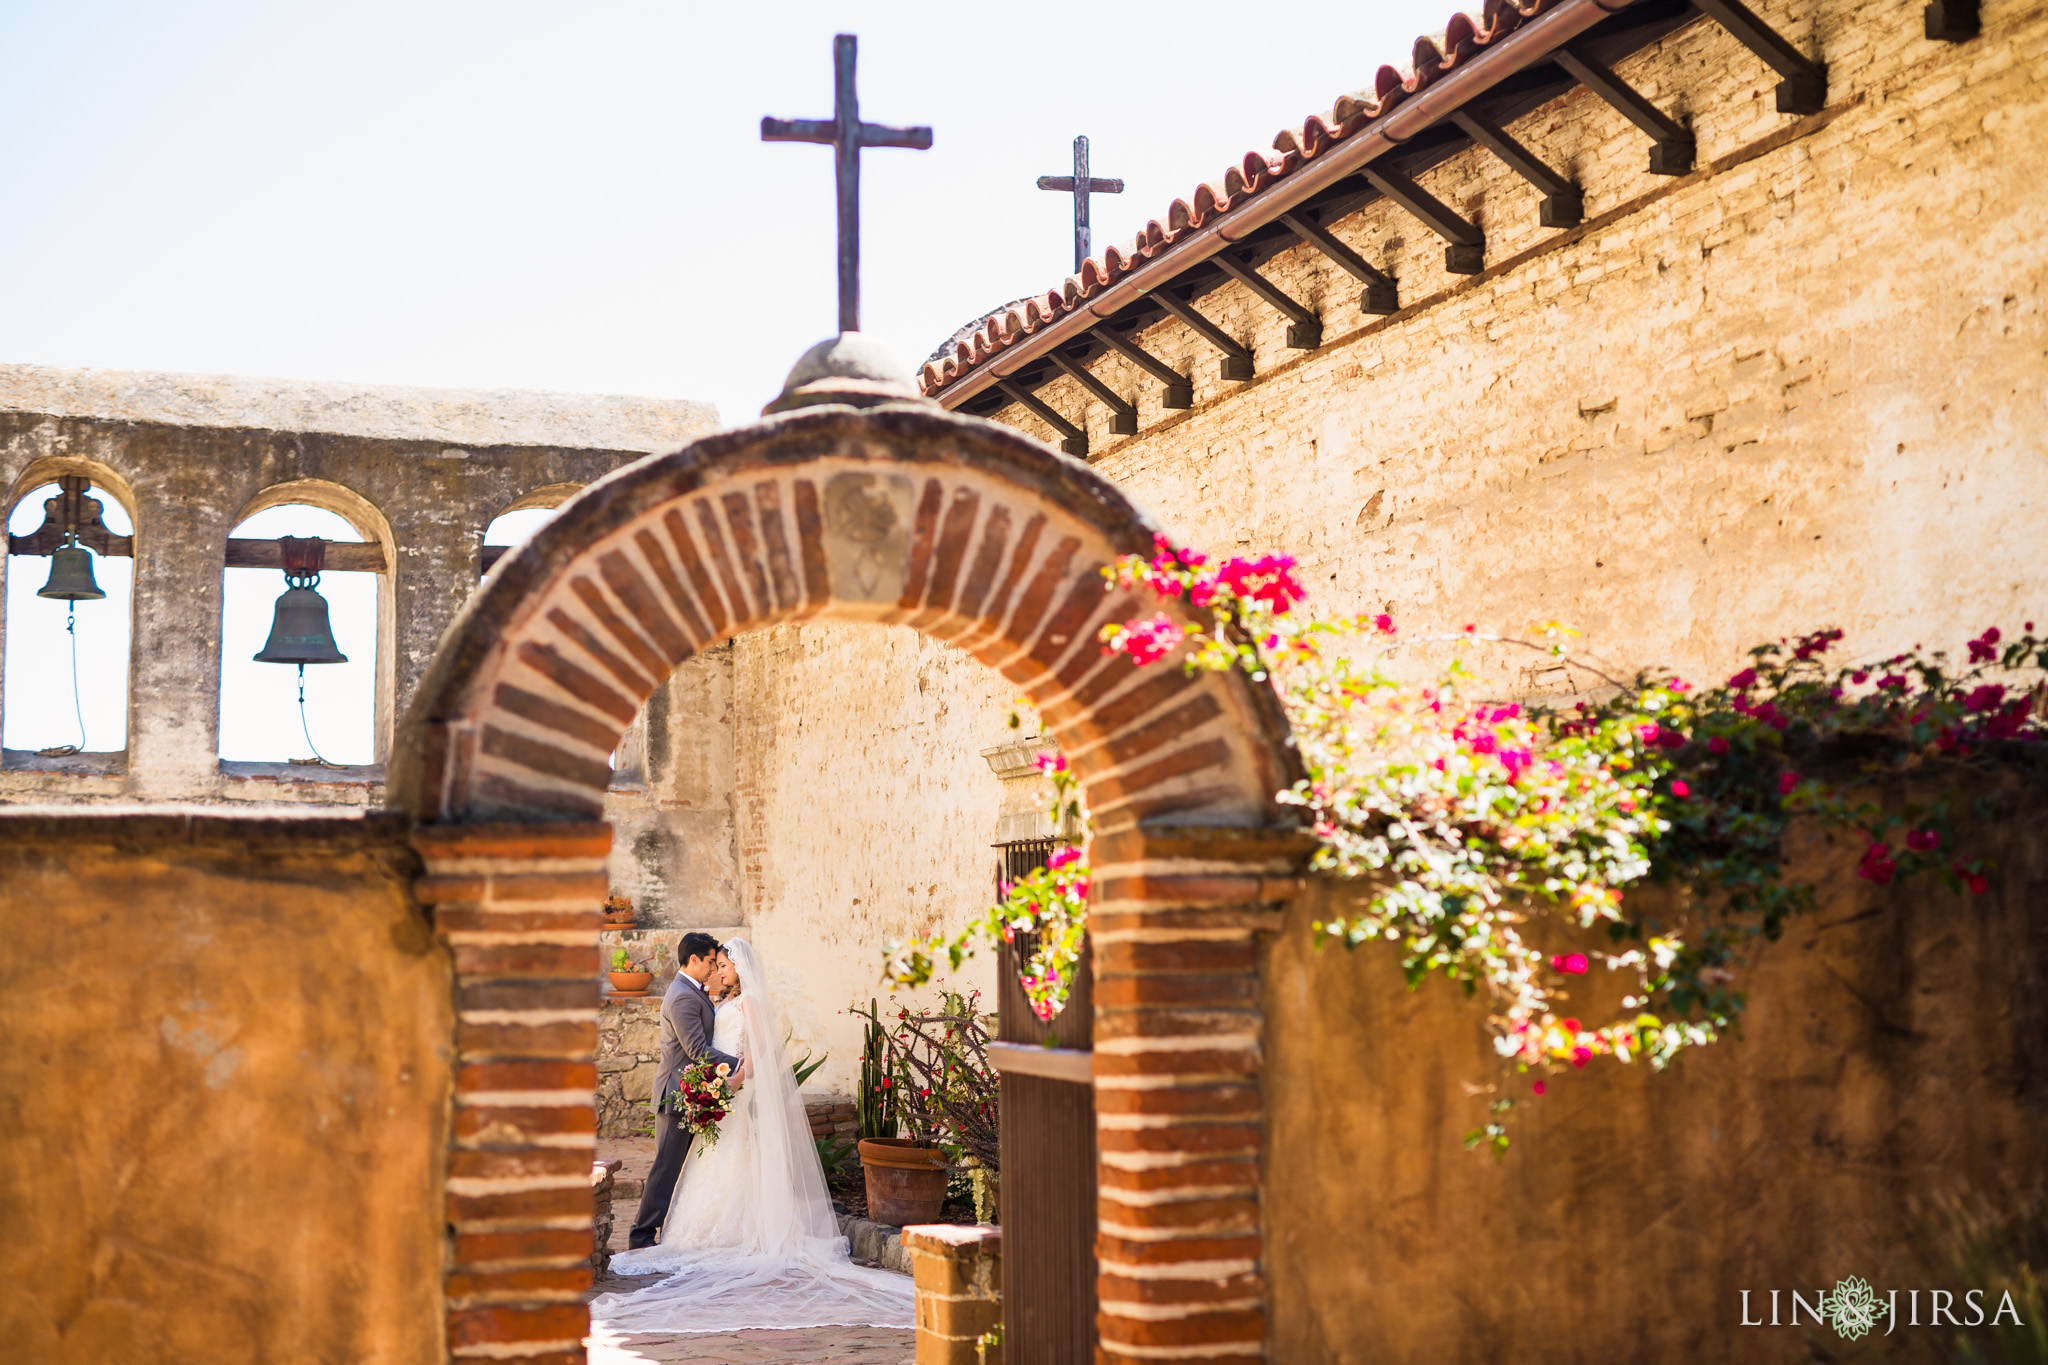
(1523, 48)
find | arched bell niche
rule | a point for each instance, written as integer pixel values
(893, 514)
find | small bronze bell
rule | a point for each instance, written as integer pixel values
(299, 631)
(71, 576)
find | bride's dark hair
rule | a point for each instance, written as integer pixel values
(734, 993)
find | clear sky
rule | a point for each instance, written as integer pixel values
(575, 197)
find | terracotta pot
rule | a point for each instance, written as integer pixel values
(906, 1180)
(620, 918)
(629, 983)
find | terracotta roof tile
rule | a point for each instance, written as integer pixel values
(1463, 39)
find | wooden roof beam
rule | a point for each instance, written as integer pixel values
(1380, 297)
(1805, 87)
(1563, 205)
(1179, 389)
(1073, 439)
(342, 556)
(1466, 254)
(1123, 415)
(1237, 360)
(1304, 330)
(1672, 148)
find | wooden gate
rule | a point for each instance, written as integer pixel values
(1048, 1175)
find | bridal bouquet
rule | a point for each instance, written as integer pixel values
(704, 1099)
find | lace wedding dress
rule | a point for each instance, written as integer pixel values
(750, 1239)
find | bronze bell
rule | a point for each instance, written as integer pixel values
(71, 576)
(299, 631)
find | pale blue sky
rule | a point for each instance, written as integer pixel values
(517, 195)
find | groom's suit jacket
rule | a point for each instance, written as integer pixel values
(686, 1022)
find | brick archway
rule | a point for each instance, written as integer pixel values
(977, 536)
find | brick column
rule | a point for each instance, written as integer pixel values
(959, 1275)
(520, 906)
(1179, 1117)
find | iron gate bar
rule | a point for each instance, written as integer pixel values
(1073, 439)
(1380, 297)
(1305, 332)
(1180, 390)
(1237, 361)
(1123, 416)
(1805, 87)
(1467, 250)
(1952, 21)
(1563, 204)
(1672, 149)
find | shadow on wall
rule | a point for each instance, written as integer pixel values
(1889, 1059)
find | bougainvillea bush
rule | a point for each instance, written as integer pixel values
(1492, 833)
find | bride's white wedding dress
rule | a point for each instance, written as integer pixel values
(750, 1239)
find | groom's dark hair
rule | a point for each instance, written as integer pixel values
(696, 944)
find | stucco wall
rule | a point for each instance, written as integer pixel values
(865, 811)
(1890, 1056)
(224, 1095)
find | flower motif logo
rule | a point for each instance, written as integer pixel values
(1853, 1308)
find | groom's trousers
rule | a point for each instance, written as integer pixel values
(671, 1145)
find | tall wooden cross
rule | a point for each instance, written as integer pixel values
(1080, 186)
(846, 134)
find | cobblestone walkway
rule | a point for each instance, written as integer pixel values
(809, 1346)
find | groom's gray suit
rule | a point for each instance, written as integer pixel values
(686, 1024)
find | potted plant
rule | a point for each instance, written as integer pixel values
(929, 1075)
(618, 912)
(627, 976)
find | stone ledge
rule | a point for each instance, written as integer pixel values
(878, 1244)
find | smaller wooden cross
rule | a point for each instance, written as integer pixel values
(846, 134)
(1080, 186)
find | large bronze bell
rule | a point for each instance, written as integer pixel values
(71, 576)
(299, 630)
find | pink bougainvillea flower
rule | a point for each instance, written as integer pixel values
(1983, 649)
(1269, 579)
(1717, 745)
(1859, 677)
(1985, 698)
(1923, 840)
(1571, 964)
(1538, 1088)
(1650, 732)
(1471, 626)
(1571, 1026)
(1877, 865)
(1973, 879)
(1051, 763)
(1681, 789)
(1146, 641)
(1743, 680)
(1383, 623)
(1517, 762)
(1893, 682)
(1063, 856)
(1786, 782)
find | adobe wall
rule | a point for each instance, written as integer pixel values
(225, 1091)
(1890, 1056)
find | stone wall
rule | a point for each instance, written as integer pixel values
(225, 1093)
(1797, 387)
(1889, 1058)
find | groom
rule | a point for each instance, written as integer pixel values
(686, 1023)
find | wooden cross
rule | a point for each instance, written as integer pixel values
(1080, 186)
(847, 135)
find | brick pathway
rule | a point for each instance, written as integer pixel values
(809, 1346)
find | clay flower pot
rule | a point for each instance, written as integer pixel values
(906, 1180)
(630, 983)
(620, 919)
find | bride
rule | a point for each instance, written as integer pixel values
(750, 1239)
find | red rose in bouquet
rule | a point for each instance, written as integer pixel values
(704, 1099)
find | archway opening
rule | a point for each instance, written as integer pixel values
(66, 663)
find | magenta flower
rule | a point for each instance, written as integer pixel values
(1383, 623)
(1786, 782)
(1982, 649)
(1681, 789)
(1877, 865)
(1580, 1056)
(1539, 1088)
(1571, 964)
(1745, 679)
(1051, 763)
(1062, 857)
(1923, 840)
(1148, 641)
(1985, 698)
(1717, 745)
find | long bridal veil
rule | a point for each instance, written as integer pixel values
(783, 1262)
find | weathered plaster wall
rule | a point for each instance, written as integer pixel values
(865, 811)
(1798, 387)
(1890, 1056)
(224, 1094)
